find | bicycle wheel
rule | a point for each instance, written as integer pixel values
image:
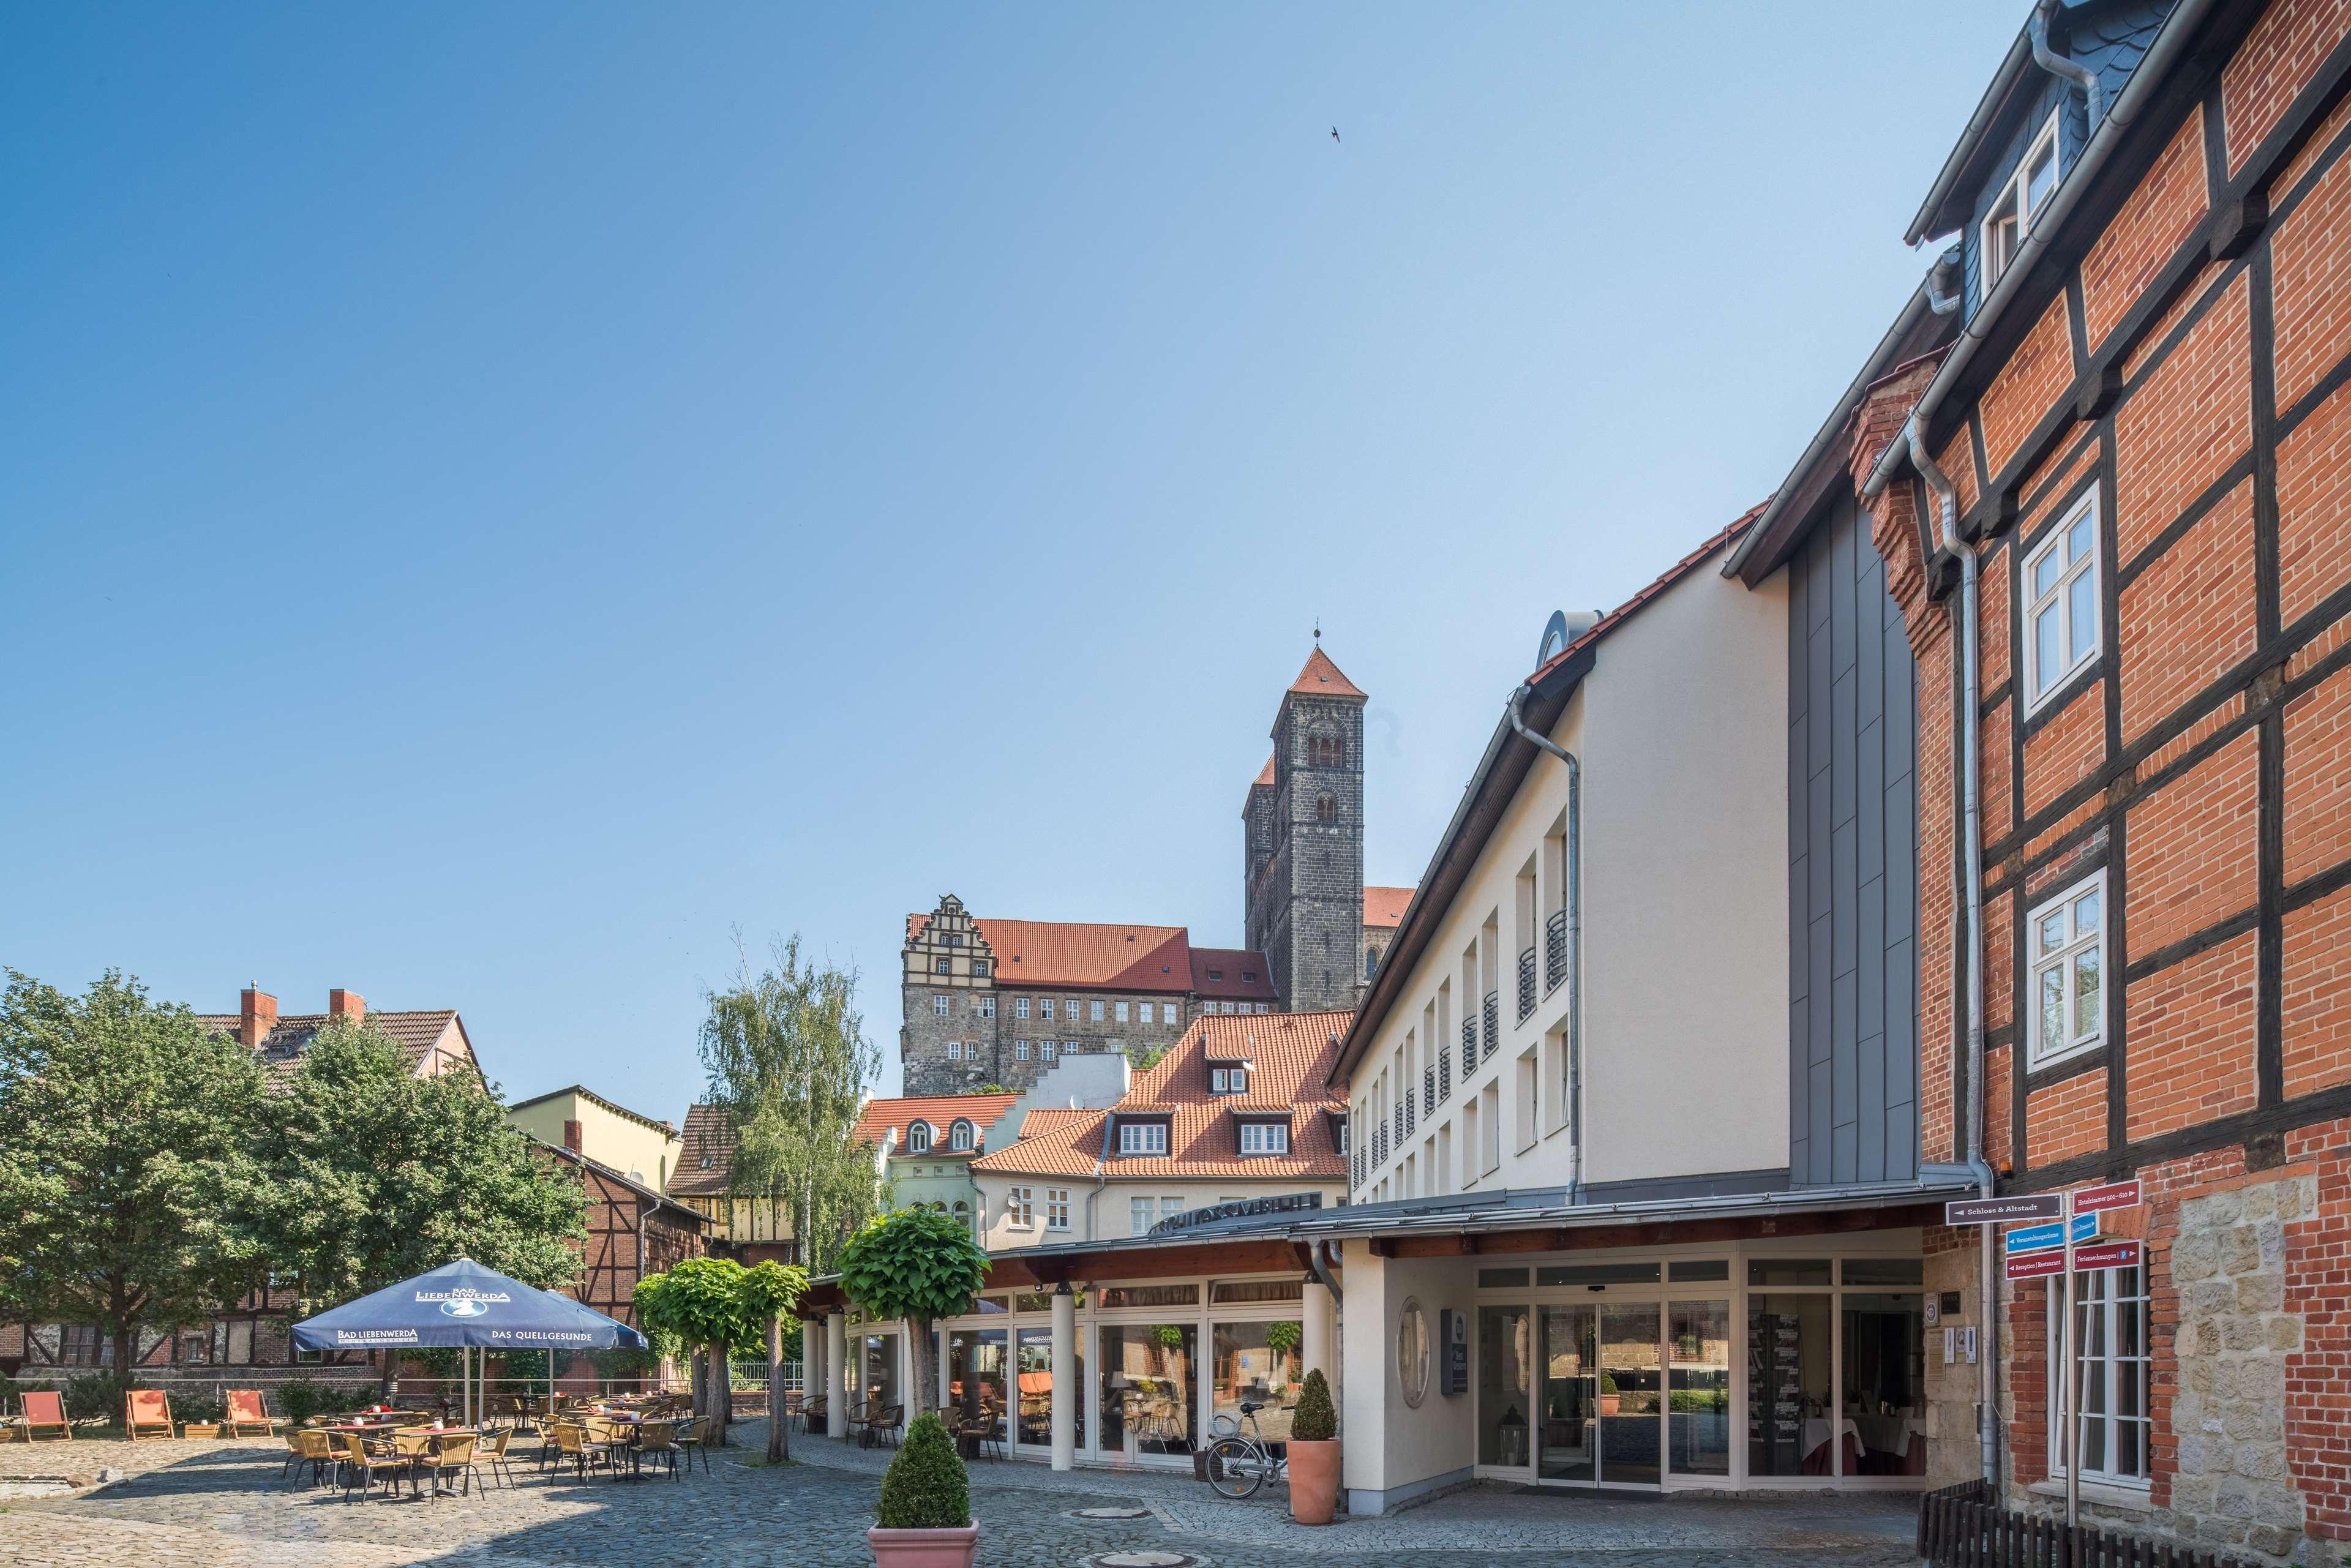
(1235, 1470)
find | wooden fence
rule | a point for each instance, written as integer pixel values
(1960, 1527)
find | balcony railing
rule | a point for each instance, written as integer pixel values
(1397, 1117)
(1526, 984)
(1468, 1048)
(1355, 1169)
(1444, 1076)
(1493, 1021)
(1554, 950)
(1428, 1092)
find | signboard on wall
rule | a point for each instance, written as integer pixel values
(1453, 1336)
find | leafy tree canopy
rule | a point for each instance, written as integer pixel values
(123, 1130)
(788, 1065)
(914, 1263)
(703, 1300)
(369, 1174)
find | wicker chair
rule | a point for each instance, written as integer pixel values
(449, 1454)
(694, 1440)
(657, 1441)
(361, 1465)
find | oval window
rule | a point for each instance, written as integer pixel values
(1412, 1352)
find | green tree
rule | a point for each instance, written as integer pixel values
(769, 1291)
(917, 1264)
(704, 1302)
(366, 1174)
(788, 1065)
(123, 1127)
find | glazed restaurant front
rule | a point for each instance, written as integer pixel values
(1737, 1367)
(1158, 1364)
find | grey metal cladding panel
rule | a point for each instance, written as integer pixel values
(1869, 663)
(1843, 767)
(1796, 640)
(1823, 1020)
(1817, 832)
(1870, 1145)
(1818, 564)
(1844, 911)
(1872, 900)
(1842, 611)
(1844, 999)
(1800, 918)
(1819, 677)
(1798, 1072)
(1901, 1139)
(1869, 800)
(1847, 1151)
(1901, 856)
(1901, 707)
(1823, 1142)
(1902, 1022)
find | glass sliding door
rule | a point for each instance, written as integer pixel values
(1150, 1388)
(975, 1377)
(1697, 1393)
(1504, 1399)
(1571, 1365)
(1033, 1425)
(1631, 1394)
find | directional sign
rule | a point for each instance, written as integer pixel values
(2106, 1255)
(2115, 1195)
(2040, 1238)
(2036, 1265)
(2003, 1210)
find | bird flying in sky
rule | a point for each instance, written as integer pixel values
(1334, 133)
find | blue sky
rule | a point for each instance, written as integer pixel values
(494, 500)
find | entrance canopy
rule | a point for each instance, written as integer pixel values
(462, 1303)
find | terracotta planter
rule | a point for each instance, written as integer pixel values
(924, 1548)
(1608, 1403)
(1314, 1479)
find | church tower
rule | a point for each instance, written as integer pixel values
(1302, 831)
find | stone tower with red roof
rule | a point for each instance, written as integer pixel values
(1303, 884)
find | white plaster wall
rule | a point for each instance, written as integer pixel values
(1112, 1213)
(1390, 1447)
(1681, 727)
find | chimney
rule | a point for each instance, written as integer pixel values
(571, 1137)
(342, 1004)
(256, 1016)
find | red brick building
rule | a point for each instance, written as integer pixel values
(2117, 423)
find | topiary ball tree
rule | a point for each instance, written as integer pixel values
(917, 1264)
(926, 1487)
(1313, 1420)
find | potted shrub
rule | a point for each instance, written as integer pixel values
(926, 1513)
(1608, 1396)
(1314, 1453)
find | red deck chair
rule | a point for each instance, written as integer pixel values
(245, 1409)
(146, 1409)
(45, 1408)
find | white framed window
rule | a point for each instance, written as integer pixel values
(918, 1138)
(940, 966)
(1098, 1012)
(2061, 599)
(987, 1006)
(939, 1007)
(1149, 1012)
(959, 1137)
(2066, 948)
(1216, 1081)
(1339, 1132)
(1045, 1007)
(1057, 1208)
(1240, 1080)
(1020, 1050)
(2020, 202)
(1139, 1216)
(2110, 1316)
(1118, 1012)
(1020, 1008)
(1264, 1138)
(1049, 1049)
(1019, 1207)
(1169, 1207)
(1142, 1138)
(981, 966)
(955, 1051)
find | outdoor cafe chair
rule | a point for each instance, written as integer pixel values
(361, 1465)
(883, 1424)
(550, 1449)
(694, 1440)
(246, 1409)
(572, 1442)
(449, 1453)
(304, 1447)
(657, 1439)
(814, 1414)
(145, 1412)
(489, 1459)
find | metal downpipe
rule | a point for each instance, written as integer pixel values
(1971, 794)
(2065, 66)
(1575, 930)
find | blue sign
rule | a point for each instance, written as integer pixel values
(2044, 1237)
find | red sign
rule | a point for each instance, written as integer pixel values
(2106, 1255)
(2036, 1265)
(2115, 1195)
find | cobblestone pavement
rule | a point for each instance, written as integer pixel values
(223, 1504)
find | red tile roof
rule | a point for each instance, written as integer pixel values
(1667, 579)
(1232, 974)
(1320, 678)
(1265, 774)
(708, 1137)
(1384, 907)
(1066, 954)
(1291, 1054)
(417, 1033)
(941, 1111)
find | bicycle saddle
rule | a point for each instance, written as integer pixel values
(1248, 1408)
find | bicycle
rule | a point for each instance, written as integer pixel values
(1238, 1464)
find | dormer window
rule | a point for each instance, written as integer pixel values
(2019, 204)
(959, 1137)
(1228, 1081)
(1265, 1138)
(1215, 974)
(918, 1138)
(1248, 976)
(1142, 1138)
